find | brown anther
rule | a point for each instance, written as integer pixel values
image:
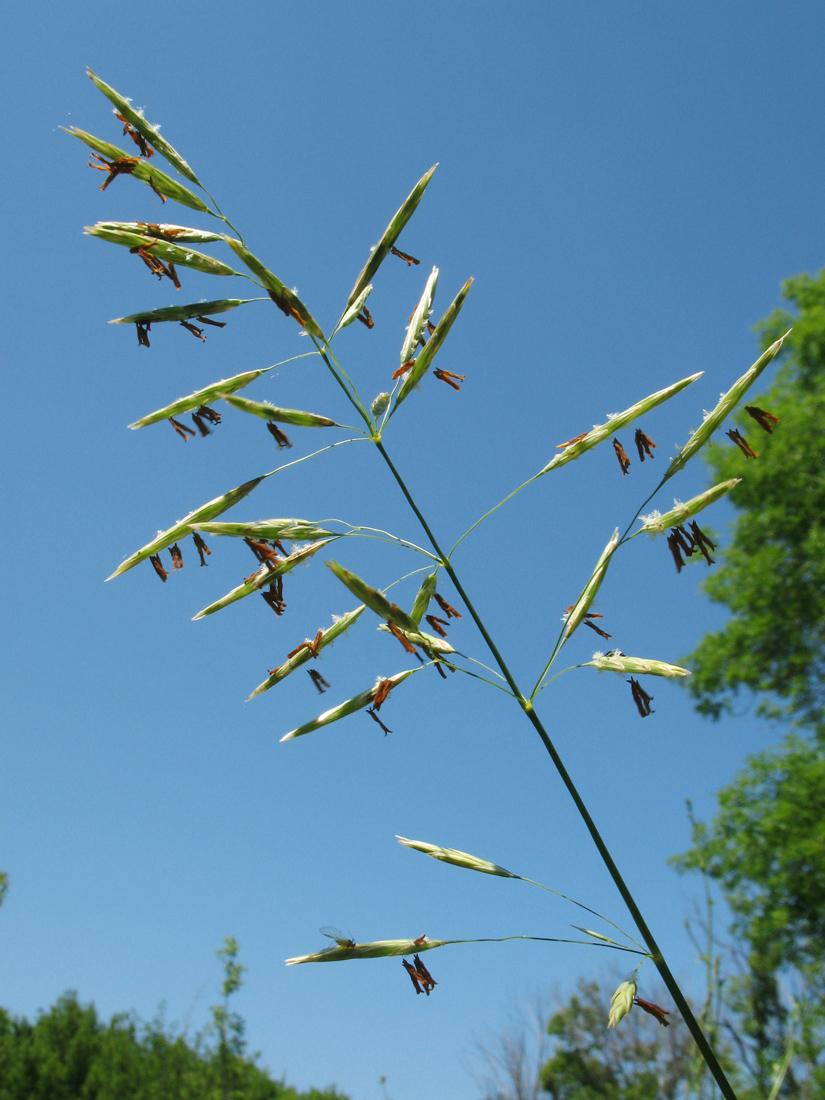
(384, 688)
(262, 552)
(765, 420)
(201, 547)
(420, 976)
(150, 181)
(311, 646)
(156, 231)
(177, 557)
(285, 306)
(365, 317)
(430, 327)
(276, 433)
(158, 564)
(684, 540)
(209, 321)
(644, 444)
(209, 414)
(448, 376)
(275, 596)
(173, 275)
(742, 443)
(156, 266)
(317, 679)
(653, 1010)
(701, 542)
(409, 260)
(673, 546)
(205, 413)
(194, 330)
(405, 642)
(145, 149)
(181, 429)
(279, 546)
(598, 629)
(375, 718)
(420, 940)
(143, 333)
(119, 167)
(403, 368)
(624, 461)
(641, 698)
(570, 442)
(437, 624)
(437, 665)
(450, 612)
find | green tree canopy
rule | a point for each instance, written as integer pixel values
(70, 1054)
(772, 578)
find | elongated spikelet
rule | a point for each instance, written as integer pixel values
(351, 314)
(378, 949)
(601, 432)
(350, 706)
(177, 234)
(124, 107)
(292, 529)
(177, 254)
(262, 577)
(427, 353)
(656, 523)
(266, 411)
(457, 858)
(286, 300)
(206, 512)
(621, 1003)
(141, 170)
(181, 313)
(422, 639)
(374, 599)
(582, 605)
(609, 662)
(424, 595)
(201, 397)
(419, 318)
(727, 402)
(389, 237)
(328, 636)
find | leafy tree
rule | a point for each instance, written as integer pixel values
(772, 578)
(766, 846)
(639, 1060)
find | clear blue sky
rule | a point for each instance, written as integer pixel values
(628, 184)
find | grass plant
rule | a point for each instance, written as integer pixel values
(161, 246)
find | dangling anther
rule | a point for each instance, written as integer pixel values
(641, 698)
(143, 333)
(375, 718)
(644, 445)
(450, 612)
(158, 564)
(276, 433)
(409, 260)
(201, 547)
(448, 376)
(742, 443)
(365, 317)
(177, 557)
(194, 330)
(624, 461)
(403, 368)
(318, 680)
(765, 420)
(181, 429)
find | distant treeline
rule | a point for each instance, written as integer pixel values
(69, 1054)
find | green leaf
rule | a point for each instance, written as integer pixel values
(374, 599)
(284, 298)
(427, 353)
(284, 416)
(150, 132)
(390, 236)
(206, 511)
(328, 636)
(201, 397)
(142, 170)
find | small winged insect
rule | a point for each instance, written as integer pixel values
(334, 934)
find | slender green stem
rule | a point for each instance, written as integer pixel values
(423, 569)
(646, 934)
(329, 447)
(495, 508)
(481, 665)
(549, 939)
(476, 676)
(356, 530)
(581, 905)
(353, 398)
(539, 690)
